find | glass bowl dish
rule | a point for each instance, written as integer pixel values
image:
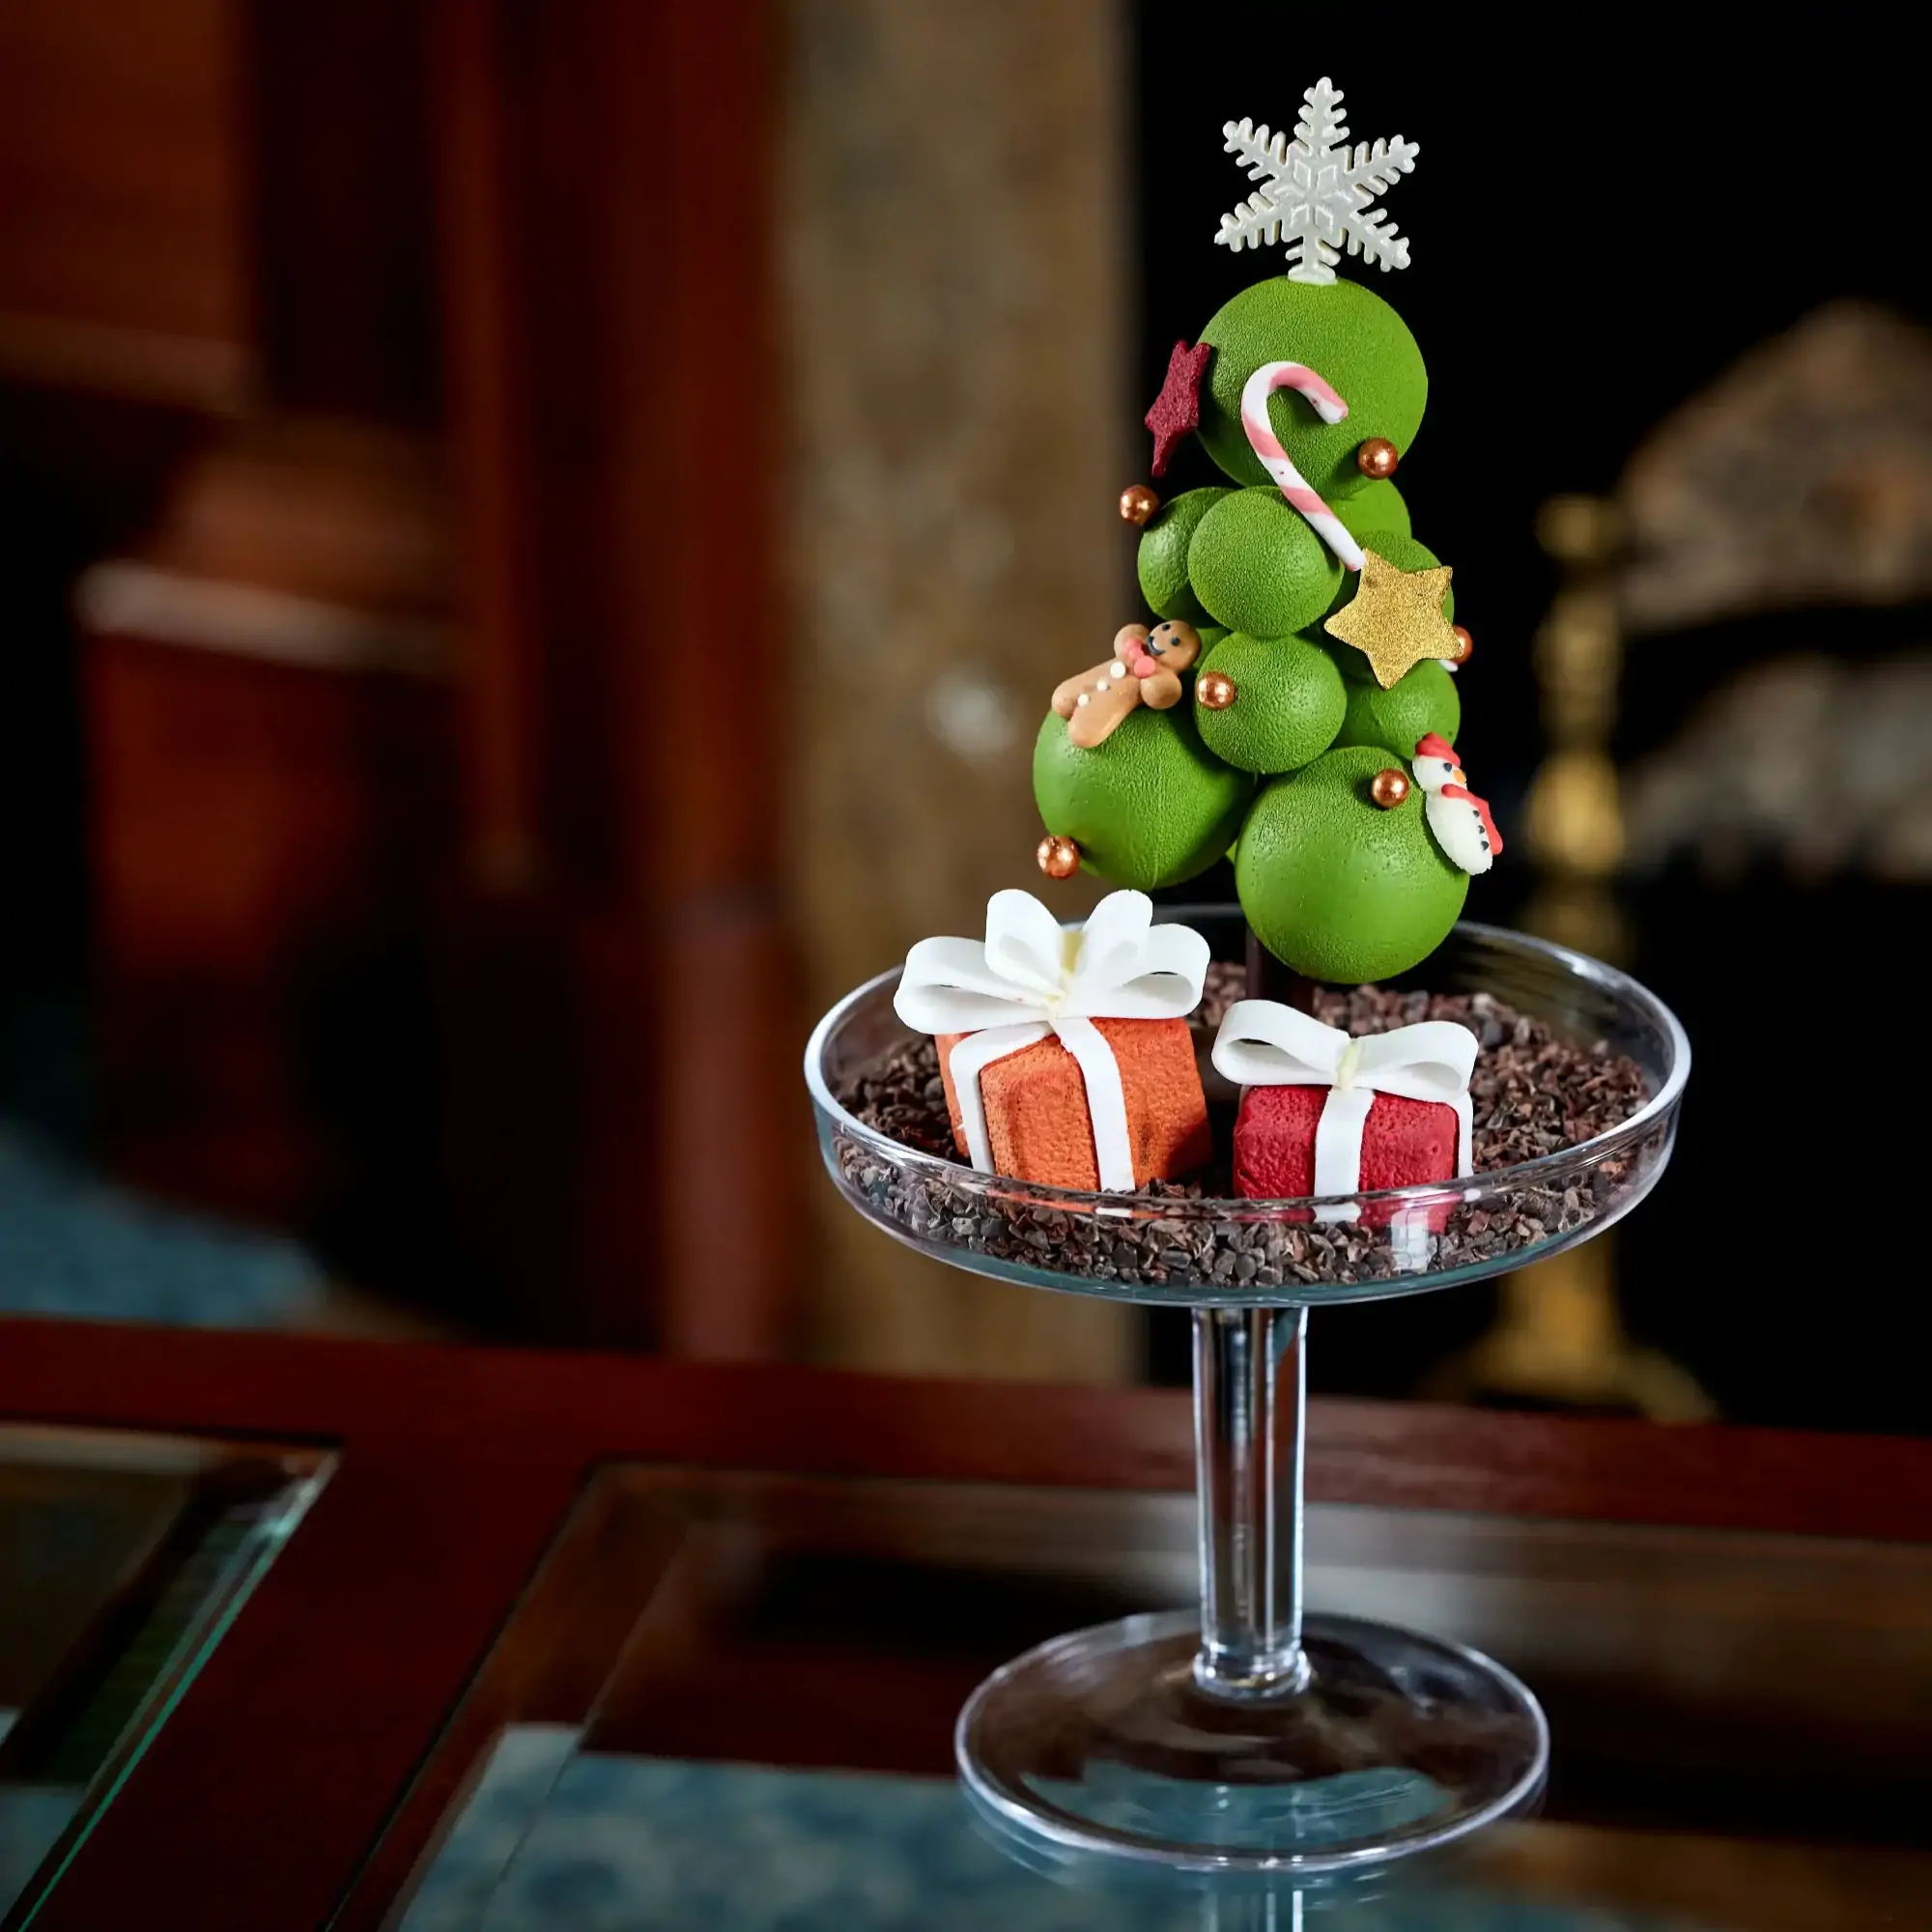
(1246, 1736)
(1236, 1253)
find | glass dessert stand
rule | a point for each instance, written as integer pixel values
(1249, 1735)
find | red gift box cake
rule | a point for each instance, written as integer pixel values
(1326, 1115)
(1403, 1142)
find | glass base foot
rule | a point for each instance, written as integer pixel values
(1102, 1741)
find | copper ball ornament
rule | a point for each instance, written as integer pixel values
(1389, 789)
(1377, 458)
(1215, 690)
(1464, 644)
(1138, 504)
(1058, 858)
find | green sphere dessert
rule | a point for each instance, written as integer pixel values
(1357, 343)
(1377, 506)
(1422, 700)
(1337, 887)
(1162, 559)
(1258, 567)
(1150, 807)
(1290, 701)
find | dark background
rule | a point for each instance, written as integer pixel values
(1606, 212)
(1601, 223)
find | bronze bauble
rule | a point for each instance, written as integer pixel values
(1058, 858)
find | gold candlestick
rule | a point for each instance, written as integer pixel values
(1573, 820)
(1558, 1338)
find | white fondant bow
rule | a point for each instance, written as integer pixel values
(1028, 978)
(1261, 1043)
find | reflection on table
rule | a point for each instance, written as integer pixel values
(122, 1560)
(728, 1702)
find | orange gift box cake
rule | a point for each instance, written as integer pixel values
(1037, 1119)
(1065, 1052)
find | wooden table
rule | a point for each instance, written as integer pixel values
(296, 1778)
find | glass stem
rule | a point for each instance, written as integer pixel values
(1245, 1911)
(1249, 1396)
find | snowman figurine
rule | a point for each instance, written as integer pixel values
(1460, 821)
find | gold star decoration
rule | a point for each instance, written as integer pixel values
(1395, 619)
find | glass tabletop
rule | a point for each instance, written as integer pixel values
(728, 1700)
(124, 1558)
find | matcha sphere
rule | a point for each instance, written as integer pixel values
(1422, 700)
(1351, 338)
(1162, 557)
(1289, 702)
(1336, 887)
(1406, 553)
(1149, 808)
(1258, 567)
(1377, 505)
(1354, 667)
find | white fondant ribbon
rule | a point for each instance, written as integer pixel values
(1028, 979)
(1261, 1043)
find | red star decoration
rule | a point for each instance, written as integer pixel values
(1176, 410)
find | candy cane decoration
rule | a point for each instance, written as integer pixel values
(1265, 444)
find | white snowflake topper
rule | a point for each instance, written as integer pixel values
(1316, 196)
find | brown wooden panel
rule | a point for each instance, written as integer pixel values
(270, 742)
(327, 508)
(503, 1404)
(122, 257)
(606, 311)
(342, 220)
(276, 836)
(264, 839)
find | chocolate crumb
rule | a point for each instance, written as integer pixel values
(1533, 1092)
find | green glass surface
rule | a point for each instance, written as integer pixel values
(124, 1560)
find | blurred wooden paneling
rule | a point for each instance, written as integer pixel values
(503, 819)
(607, 324)
(123, 248)
(342, 206)
(271, 735)
(435, 902)
(224, 206)
(263, 834)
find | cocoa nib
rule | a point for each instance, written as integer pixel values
(1533, 1092)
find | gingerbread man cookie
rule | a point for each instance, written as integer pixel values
(1145, 669)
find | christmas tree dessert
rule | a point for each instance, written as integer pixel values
(1301, 657)
(1290, 701)
(1118, 1108)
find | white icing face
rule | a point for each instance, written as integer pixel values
(1432, 773)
